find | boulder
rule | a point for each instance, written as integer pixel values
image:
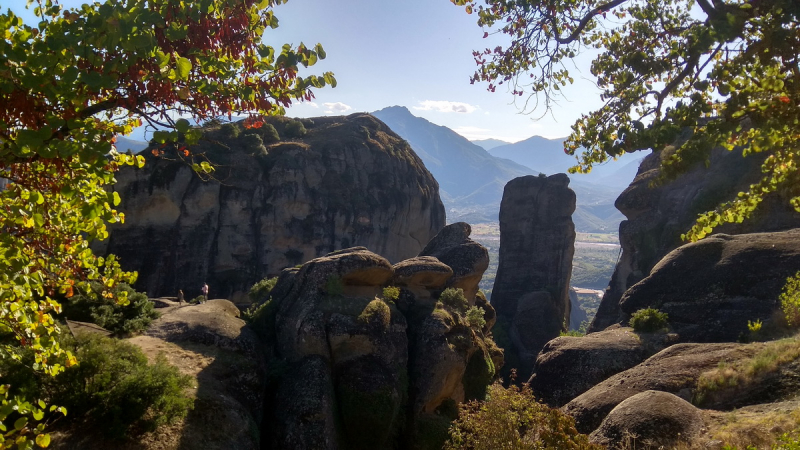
(653, 420)
(569, 366)
(658, 213)
(711, 289)
(425, 272)
(537, 242)
(467, 258)
(350, 181)
(675, 369)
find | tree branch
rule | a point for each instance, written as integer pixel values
(584, 22)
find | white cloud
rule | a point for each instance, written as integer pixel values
(312, 104)
(445, 106)
(473, 133)
(338, 108)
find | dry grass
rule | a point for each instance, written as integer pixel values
(743, 429)
(747, 371)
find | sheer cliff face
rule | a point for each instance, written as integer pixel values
(349, 181)
(537, 242)
(657, 215)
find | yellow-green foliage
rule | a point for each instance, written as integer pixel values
(790, 300)
(747, 371)
(475, 318)
(377, 312)
(648, 320)
(261, 290)
(513, 419)
(391, 293)
(454, 299)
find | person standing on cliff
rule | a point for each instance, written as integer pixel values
(205, 292)
(180, 297)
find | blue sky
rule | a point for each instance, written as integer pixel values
(414, 53)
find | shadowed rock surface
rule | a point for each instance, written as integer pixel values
(349, 181)
(537, 242)
(569, 366)
(657, 420)
(712, 288)
(365, 373)
(657, 216)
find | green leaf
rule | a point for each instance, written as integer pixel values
(43, 440)
(183, 68)
(182, 125)
(20, 423)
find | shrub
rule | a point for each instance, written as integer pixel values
(113, 386)
(377, 313)
(512, 418)
(648, 320)
(475, 318)
(790, 300)
(260, 291)
(253, 144)
(230, 130)
(295, 129)
(334, 285)
(262, 318)
(125, 319)
(391, 293)
(454, 298)
(269, 134)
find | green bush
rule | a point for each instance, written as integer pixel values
(295, 129)
(230, 130)
(376, 313)
(253, 144)
(269, 134)
(648, 320)
(122, 319)
(512, 418)
(790, 300)
(475, 318)
(260, 291)
(261, 316)
(391, 293)
(113, 386)
(454, 299)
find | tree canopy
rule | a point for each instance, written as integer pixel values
(723, 72)
(72, 82)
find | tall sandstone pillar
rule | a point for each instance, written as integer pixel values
(531, 290)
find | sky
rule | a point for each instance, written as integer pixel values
(414, 53)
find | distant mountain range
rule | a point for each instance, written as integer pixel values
(489, 144)
(471, 179)
(547, 156)
(124, 144)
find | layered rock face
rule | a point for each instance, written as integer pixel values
(537, 242)
(349, 181)
(366, 372)
(658, 215)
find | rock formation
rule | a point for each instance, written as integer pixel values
(658, 214)
(656, 419)
(349, 181)
(537, 242)
(569, 366)
(366, 372)
(711, 289)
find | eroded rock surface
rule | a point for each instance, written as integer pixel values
(654, 419)
(349, 181)
(569, 366)
(658, 214)
(537, 242)
(675, 369)
(366, 373)
(711, 289)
